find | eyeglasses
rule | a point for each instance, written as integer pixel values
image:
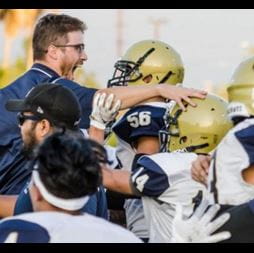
(22, 118)
(79, 47)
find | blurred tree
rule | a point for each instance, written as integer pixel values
(18, 21)
(9, 74)
(221, 90)
(86, 79)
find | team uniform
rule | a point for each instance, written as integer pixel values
(56, 227)
(163, 180)
(97, 203)
(13, 165)
(234, 154)
(139, 121)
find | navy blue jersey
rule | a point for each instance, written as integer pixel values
(12, 162)
(139, 121)
(96, 205)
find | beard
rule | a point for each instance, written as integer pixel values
(29, 146)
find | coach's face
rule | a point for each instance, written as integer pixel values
(73, 53)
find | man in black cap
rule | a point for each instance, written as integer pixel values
(58, 199)
(46, 109)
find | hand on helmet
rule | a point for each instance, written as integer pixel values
(200, 167)
(199, 227)
(180, 94)
(105, 110)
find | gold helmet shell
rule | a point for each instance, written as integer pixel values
(148, 58)
(198, 129)
(241, 90)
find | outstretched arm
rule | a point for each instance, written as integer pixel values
(117, 180)
(7, 204)
(132, 95)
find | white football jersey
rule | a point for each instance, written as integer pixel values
(142, 120)
(111, 151)
(234, 154)
(57, 227)
(164, 179)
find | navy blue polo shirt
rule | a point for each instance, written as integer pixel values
(14, 172)
(96, 205)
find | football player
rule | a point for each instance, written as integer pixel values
(164, 180)
(145, 62)
(66, 172)
(231, 172)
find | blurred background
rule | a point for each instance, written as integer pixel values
(211, 42)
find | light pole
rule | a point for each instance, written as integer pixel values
(119, 32)
(157, 23)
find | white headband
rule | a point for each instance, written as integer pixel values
(67, 204)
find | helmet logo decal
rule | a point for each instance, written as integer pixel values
(167, 76)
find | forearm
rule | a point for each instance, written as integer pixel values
(131, 96)
(7, 204)
(117, 180)
(96, 134)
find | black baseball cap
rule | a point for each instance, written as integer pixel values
(54, 102)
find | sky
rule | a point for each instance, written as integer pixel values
(211, 42)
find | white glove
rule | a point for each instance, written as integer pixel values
(199, 227)
(104, 110)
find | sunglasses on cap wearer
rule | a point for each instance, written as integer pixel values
(22, 118)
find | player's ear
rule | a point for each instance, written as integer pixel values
(43, 128)
(52, 52)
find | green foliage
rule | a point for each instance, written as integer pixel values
(86, 79)
(7, 75)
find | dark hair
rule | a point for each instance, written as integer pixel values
(51, 29)
(69, 166)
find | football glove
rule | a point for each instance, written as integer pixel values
(199, 227)
(104, 110)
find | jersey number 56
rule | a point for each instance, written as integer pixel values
(137, 119)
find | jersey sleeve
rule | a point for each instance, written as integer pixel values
(246, 138)
(21, 231)
(140, 121)
(23, 203)
(148, 178)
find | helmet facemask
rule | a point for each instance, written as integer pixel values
(127, 71)
(148, 62)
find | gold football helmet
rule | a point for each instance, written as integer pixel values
(241, 90)
(198, 129)
(151, 60)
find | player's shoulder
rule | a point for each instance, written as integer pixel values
(167, 160)
(144, 115)
(73, 85)
(21, 229)
(244, 128)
